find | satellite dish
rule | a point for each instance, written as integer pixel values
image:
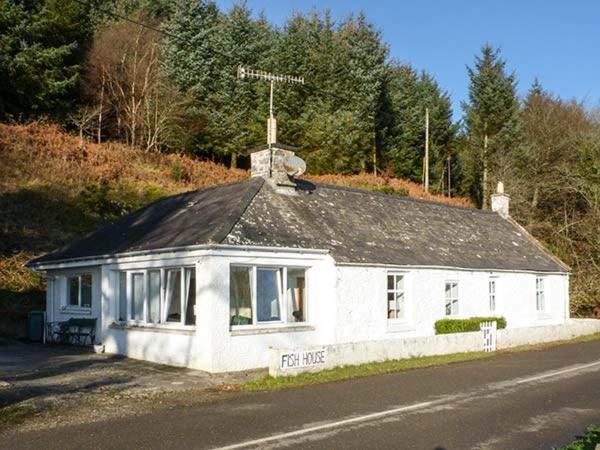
(294, 166)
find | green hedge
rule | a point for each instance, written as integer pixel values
(446, 326)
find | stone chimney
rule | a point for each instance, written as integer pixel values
(268, 164)
(500, 201)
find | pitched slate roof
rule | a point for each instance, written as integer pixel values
(356, 226)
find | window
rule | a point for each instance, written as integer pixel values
(451, 298)
(395, 296)
(296, 295)
(158, 296)
(492, 294)
(540, 303)
(79, 291)
(267, 295)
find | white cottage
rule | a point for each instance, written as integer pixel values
(212, 279)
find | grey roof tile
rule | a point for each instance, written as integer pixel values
(356, 226)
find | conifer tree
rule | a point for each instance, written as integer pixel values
(41, 46)
(492, 120)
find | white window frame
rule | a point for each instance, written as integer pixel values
(405, 316)
(66, 306)
(452, 299)
(493, 294)
(540, 300)
(283, 301)
(162, 306)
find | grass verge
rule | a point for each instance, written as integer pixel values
(14, 415)
(270, 383)
(588, 441)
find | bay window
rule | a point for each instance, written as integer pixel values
(266, 295)
(158, 296)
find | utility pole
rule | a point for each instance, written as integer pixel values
(426, 160)
(244, 73)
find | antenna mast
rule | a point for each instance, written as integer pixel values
(244, 72)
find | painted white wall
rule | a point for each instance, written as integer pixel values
(341, 354)
(57, 309)
(362, 308)
(346, 304)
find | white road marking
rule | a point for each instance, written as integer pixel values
(401, 409)
(555, 373)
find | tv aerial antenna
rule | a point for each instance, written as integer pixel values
(246, 73)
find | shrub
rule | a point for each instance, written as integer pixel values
(446, 326)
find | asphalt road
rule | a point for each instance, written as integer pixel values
(533, 400)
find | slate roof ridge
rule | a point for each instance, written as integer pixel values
(400, 197)
(237, 214)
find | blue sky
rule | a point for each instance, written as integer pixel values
(557, 41)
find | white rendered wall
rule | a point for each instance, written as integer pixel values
(362, 308)
(346, 304)
(239, 349)
(57, 293)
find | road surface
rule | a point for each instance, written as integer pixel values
(531, 400)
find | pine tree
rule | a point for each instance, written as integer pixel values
(410, 94)
(41, 46)
(492, 120)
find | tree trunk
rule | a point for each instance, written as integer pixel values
(485, 201)
(99, 136)
(234, 158)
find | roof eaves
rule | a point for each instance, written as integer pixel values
(539, 245)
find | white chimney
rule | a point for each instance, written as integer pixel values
(500, 201)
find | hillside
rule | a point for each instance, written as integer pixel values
(54, 188)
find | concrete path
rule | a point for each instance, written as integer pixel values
(532, 400)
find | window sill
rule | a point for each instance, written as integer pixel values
(399, 326)
(250, 330)
(75, 310)
(190, 329)
(544, 316)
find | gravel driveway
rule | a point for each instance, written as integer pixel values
(46, 385)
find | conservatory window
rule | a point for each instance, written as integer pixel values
(159, 296)
(79, 291)
(451, 298)
(267, 295)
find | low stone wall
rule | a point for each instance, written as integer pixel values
(292, 361)
(536, 335)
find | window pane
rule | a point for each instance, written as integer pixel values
(390, 282)
(268, 288)
(74, 291)
(399, 305)
(154, 296)
(137, 287)
(173, 296)
(240, 295)
(296, 288)
(454, 290)
(86, 291)
(122, 296)
(448, 290)
(399, 282)
(190, 283)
